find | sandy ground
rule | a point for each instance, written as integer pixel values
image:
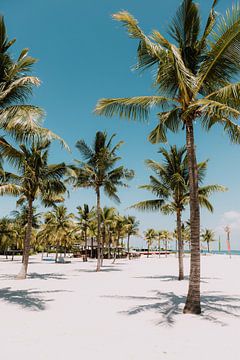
(130, 310)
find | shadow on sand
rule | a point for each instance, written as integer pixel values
(46, 276)
(169, 305)
(27, 299)
(167, 278)
(103, 269)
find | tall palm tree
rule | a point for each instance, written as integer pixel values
(36, 179)
(98, 171)
(208, 236)
(194, 81)
(150, 236)
(132, 228)
(84, 218)
(171, 186)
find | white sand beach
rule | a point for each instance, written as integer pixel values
(129, 310)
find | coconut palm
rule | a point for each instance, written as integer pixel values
(84, 218)
(16, 117)
(171, 186)
(8, 235)
(150, 236)
(98, 171)
(58, 228)
(119, 231)
(165, 235)
(194, 81)
(208, 236)
(107, 217)
(36, 179)
(132, 228)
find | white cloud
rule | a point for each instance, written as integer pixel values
(230, 218)
(232, 215)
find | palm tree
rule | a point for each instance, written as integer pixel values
(119, 225)
(36, 179)
(171, 186)
(194, 81)
(16, 85)
(20, 218)
(150, 236)
(7, 235)
(107, 217)
(98, 171)
(84, 219)
(132, 228)
(59, 226)
(165, 235)
(208, 236)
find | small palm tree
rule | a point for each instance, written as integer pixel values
(194, 84)
(36, 179)
(208, 236)
(7, 235)
(132, 228)
(107, 218)
(150, 236)
(98, 171)
(165, 235)
(59, 226)
(84, 218)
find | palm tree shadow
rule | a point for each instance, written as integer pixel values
(26, 299)
(102, 270)
(169, 306)
(167, 278)
(47, 276)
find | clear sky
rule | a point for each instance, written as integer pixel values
(83, 56)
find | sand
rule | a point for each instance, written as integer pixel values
(130, 310)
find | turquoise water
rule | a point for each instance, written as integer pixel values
(223, 252)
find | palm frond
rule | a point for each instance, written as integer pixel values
(131, 108)
(222, 62)
(148, 205)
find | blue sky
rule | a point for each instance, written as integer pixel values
(83, 56)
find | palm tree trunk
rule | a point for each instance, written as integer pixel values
(102, 248)
(159, 248)
(208, 246)
(180, 245)
(91, 255)
(148, 250)
(109, 246)
(115, 249)
(166, 248)
(114, 255)
(86, 250)
(128, 245)
(56, 255)
(192, 305)
(98, 231)
(23, 272)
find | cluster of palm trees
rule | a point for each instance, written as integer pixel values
(194, 80)
(159, 239)
(60, 231)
